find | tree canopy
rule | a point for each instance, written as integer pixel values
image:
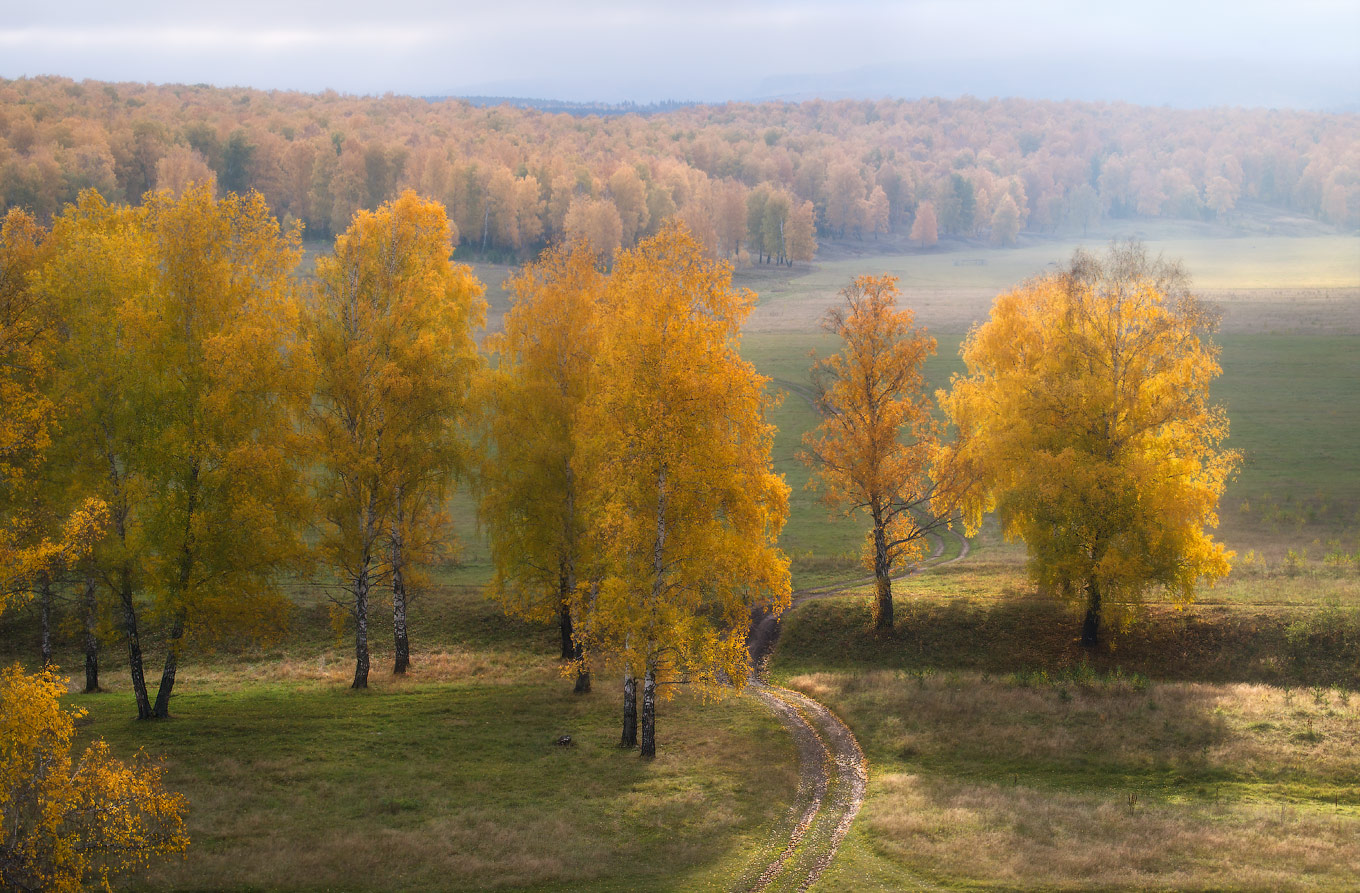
(1086, 425)
(532, 501)
(510, 176)
(392, 355)
(676, 460)
(873, 449)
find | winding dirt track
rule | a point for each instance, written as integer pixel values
(832, 772)
(832, 776)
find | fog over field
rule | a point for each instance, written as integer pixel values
(1254, 53)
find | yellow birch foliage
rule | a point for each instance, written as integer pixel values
(531, 501)
(676, 459)
(219, 357)
(98, 277)
(391, 348)
(63, 823)
(179, 378)
(67, 823)
(28, 415)
(1085, 420)
(872, 451)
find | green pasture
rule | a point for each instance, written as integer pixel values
(446, 786)
(450, 779)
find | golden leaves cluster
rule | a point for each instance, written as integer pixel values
(873, 449)
(1086, 424)
(66, 823)
(391, 356)
(630, 471)
(676, 451)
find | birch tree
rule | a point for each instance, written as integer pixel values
(390, 342)
(531, 499)
(676, 462)
(178, 373)
(871, 454)
(1086, 419)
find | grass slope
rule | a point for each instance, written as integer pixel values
(449, 780)
(438, 786)
(1211, 749)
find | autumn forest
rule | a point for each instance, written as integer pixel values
(757, 181)
(406, 493)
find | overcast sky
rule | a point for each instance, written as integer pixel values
(1301, 53)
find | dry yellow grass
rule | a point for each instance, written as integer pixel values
(1023, 838)
(335, 668)
(1111, 784)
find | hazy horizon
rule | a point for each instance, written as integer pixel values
(1245, 54)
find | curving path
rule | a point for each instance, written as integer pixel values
(832, 772)
(832, 776)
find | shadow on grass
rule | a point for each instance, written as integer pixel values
(1208, 644)
(1079, 780)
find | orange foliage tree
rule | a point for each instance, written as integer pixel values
(178, 374)
(872, 451)
(391, 349)
(531, 499)
(675, 460)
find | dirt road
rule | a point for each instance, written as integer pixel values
(832, 773)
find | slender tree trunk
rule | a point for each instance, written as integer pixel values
(883, 607)
(579, 651)
(402, 643)
(368, 526)
(134, 643)
(649, 713)
(91, 637)
(402, 662)
(186, 567)
(629, 738)
(167, 686)
(564, 618)
(582, 674)
(1090, 627)
(361, 629)
(45, 608)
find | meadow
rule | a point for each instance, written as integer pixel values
(1213, 747)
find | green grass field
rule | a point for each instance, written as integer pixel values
(457, 786)
(450, 779)
(1213, 748)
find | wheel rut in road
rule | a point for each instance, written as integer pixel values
(832, 771)
(832, 776)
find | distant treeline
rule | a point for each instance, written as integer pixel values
(556, 106)
(758, 180)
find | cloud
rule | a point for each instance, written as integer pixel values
(199, 38)
(1254, 51)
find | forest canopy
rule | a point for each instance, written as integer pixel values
(515, 178)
